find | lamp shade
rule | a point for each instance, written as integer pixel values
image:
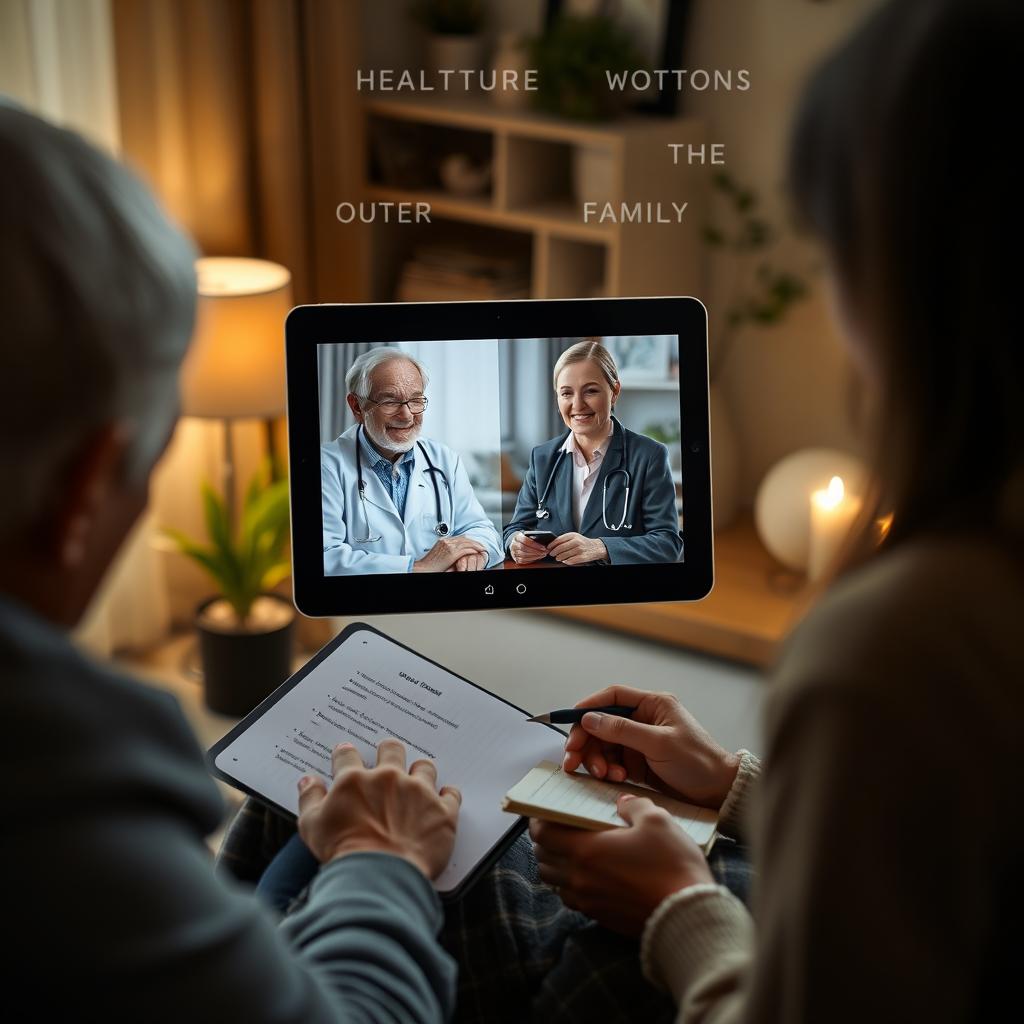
(235, 366)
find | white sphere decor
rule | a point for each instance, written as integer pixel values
(782, 509)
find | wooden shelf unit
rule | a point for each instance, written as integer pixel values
(754, 604)
(531, 194)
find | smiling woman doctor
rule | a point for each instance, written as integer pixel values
(394, 502)
(604, 491)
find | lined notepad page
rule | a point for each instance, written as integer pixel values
(547, 786)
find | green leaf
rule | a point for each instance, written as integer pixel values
(274, 575)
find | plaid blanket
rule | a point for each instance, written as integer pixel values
(522, 954)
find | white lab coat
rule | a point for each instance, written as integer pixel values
(402, 541)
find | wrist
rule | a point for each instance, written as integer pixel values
(377, 845)
(728, 770)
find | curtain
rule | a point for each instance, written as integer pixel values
(243, 118)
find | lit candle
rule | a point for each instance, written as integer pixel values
(832, 514)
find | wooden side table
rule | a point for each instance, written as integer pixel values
(754, 604)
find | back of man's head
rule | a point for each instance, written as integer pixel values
(97, 301)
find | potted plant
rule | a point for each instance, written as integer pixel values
(575, 60)
(245, 631)
(454, 34)
(761, 295)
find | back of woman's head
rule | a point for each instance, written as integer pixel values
(97, 299)
(900, 161)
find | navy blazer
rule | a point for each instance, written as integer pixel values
(653, 535)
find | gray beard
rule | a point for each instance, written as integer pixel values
(385, 444)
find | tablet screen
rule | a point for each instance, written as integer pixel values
(479, 460)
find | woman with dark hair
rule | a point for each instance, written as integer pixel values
(886, 849)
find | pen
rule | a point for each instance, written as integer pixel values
(573, 715)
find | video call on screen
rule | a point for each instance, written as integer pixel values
(488, 450)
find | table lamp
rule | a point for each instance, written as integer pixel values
(235, 366)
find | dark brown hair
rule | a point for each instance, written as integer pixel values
(897, 163)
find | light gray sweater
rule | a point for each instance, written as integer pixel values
(111, 905)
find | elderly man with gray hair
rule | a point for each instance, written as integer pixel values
(393, 501)
(113, 898)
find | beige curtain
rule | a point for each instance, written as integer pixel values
(245, 119)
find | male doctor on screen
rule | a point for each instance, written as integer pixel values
(393, 501)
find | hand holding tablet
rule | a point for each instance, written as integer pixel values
(366, 810)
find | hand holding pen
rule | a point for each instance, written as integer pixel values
(659, 744)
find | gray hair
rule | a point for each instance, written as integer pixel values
(97, 298)
(357, 380)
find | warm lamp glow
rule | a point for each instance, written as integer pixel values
(235, 366)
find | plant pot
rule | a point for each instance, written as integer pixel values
(593, 174)
(455, 53)
(725, 469)
(241, 666)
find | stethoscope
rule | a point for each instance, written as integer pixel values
(442, 529)
(545, 513)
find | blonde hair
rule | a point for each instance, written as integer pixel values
(591, 348)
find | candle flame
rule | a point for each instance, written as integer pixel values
(833, 494)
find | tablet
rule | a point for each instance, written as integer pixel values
(364, 687)
(427, 441)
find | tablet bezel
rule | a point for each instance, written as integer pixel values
(503, 843)
(317, 594)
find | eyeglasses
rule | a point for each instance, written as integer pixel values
(392, 405)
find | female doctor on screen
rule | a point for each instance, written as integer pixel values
(605, 492)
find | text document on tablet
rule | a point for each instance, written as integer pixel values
(365, 687)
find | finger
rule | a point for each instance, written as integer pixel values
(551, 875)
(624, 696)
(343, 757)
(595, 763)
(557, 840)
(425, 770)
(636, 765)
(578, 737)
(588, 753)
(556, 548)
(311, 791)
(633, 809)
(391, 753)
(452, 799)
(623, 731)
(466, 544)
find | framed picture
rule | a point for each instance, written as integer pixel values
(658, 28)
(641, 358)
